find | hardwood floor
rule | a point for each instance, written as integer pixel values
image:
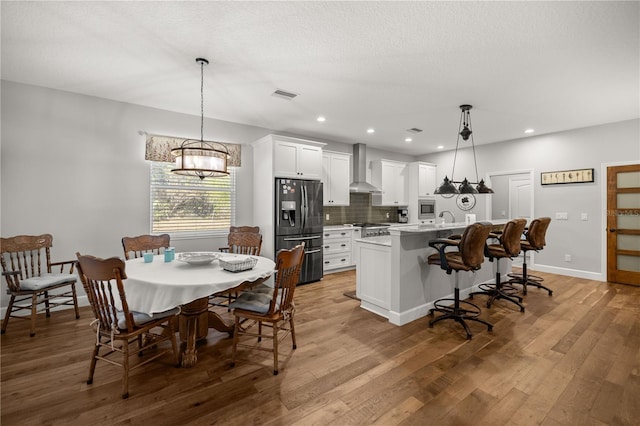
(570, 359)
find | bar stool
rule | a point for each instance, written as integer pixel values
(468, 257)
(508, 246)
(534, 240)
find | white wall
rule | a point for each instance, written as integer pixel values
(74, 166)
(575, 149)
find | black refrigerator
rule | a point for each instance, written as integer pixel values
(298, 218)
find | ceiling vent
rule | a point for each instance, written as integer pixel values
(414, 130)
(279, 93)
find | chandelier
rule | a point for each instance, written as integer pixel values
(197, 157)
(447, 186)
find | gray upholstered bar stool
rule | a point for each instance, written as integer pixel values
(508, 246)
(534, 240)
(468, 257)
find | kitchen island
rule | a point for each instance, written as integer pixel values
(394, 280)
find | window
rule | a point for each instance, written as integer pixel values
(187, 206)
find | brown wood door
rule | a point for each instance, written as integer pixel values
(623, 224)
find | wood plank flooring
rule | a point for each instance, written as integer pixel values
(569, 359)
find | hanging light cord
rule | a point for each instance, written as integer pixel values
(473, 145)
(455, 155)
(201, 101)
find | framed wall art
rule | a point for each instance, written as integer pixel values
(567, 176)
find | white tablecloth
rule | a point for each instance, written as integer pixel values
(159, 285)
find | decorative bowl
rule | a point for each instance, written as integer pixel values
(197, 257)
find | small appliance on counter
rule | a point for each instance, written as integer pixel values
(403, 216)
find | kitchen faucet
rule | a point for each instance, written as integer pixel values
(447, 211)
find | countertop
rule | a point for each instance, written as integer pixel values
(426, 227)
(381, 240)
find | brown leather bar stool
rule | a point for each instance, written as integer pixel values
(534, 240)
(468, 257)
(508, 246)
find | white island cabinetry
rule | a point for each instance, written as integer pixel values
(394, 280)
(373, 274)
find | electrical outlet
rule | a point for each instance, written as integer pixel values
(327, 216)
(387, 215)
(567, 258)
(584, 216)
(562, 216)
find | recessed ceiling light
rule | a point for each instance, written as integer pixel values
(529, 131)
(440, 146)
(371, 130)
(321, 119)
(408, 140)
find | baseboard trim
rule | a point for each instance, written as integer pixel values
(595, 276)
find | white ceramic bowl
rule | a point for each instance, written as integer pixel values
(197, 257)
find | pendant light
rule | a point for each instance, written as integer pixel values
(447, 187)
(197, 157)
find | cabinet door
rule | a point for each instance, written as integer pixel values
(401, 185)
(309, 162)
(326, 179)
(388, 171)
(426, 180)
(286, 159)
(340, 180)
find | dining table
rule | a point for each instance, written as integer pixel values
(159, 285)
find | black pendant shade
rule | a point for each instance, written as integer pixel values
(447, 186)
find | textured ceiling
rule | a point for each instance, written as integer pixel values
(551, 66)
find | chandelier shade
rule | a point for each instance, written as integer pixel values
(197, 157)
(447, 186)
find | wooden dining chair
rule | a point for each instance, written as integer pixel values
(275, 309)
(145, 243)
(33, 280)
(117, 327)
(241, 240)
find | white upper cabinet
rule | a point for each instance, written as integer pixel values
(391, 177)
(426, 179)
(335, 178)
(298, 161)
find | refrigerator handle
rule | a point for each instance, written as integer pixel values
(303, 210)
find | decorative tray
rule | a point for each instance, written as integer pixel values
(233, 264)
(197, 257)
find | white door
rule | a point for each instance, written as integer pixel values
(520, 198)
(520, 204)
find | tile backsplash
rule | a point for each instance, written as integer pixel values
(359, 210)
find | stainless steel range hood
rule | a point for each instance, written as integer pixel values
(360, 183)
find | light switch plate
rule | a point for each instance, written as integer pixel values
(562, 216)
(584, 216)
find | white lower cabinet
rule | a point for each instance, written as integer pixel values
(337, 248)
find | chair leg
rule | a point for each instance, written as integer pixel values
(7, 314)
(236, 331)
(75, 300)
(275, 348)
(259, 331)
(174, 342)
(34, 313)
(46, 304)
(125, 370)
(94, 360)
(293, 331)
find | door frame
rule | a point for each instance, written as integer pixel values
(603, 210)
(488, 176)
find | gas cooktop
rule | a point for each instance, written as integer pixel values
(368, 225)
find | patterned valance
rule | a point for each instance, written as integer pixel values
(158, 148)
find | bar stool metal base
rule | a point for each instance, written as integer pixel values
(499, 291)
(457, 313)
(524, 279)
